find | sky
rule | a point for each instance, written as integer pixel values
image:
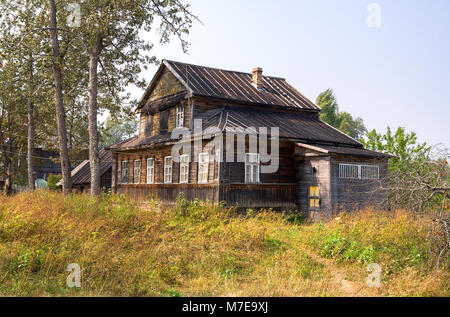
(397, 74)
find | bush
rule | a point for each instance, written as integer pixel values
(52, 180)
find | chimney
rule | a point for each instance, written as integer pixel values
(257, 77)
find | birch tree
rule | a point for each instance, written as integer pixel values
(112, 33)
(59, 102)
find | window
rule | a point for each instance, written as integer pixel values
(203, 167)
(252, 168)
(150, 171)
(124, 172)
(355, 171)
(184, 168)
(180, 117)
(168, 169)
(369, 172)
(348, 171)
(163, 121)
(137, 172)
(314, 198)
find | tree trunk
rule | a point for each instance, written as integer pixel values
(30, 153)
(60, 114)
(93, 133)
(8, 180)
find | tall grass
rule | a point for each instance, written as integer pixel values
(201, 249)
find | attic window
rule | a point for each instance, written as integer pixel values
(180, 117)
(163, 121)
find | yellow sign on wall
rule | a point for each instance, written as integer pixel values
(314, 198)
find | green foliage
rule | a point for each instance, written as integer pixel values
(173, 293)
(111, 33)
(52, 180)
(333, 245)
(309, 268)
(419, 175)
(394, 238)
(28, 260)
(342, 121)
(197, 210)
(273, 244)
(295, 218)
(117, 130)
(401, 144)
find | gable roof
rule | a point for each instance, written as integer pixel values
(233, 86)
(82, 173)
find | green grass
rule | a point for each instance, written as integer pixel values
(200, 249)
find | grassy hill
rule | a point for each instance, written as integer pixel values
(196, 249)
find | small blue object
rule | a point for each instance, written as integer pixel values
(40, 183)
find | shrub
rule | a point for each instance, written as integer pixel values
(52, 180)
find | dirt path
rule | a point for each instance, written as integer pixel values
(348, 288)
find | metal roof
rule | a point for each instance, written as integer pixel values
(292, 125)
(345, 150)
(234, 86)
(298, 126)
(136, 142)
(82, 173)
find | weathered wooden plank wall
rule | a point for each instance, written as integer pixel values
(167, 193)
(306, 178)
(351, 194)
(259, 195)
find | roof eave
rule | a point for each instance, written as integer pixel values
(241, 102)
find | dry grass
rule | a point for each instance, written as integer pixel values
(197, 249)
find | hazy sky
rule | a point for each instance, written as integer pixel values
(396, 75)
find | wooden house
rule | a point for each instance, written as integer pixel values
(81, 174)
(45, 163)
(319, 169)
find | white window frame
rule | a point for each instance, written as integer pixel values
(127, 173)
(355, 171)
(168, 170)
(138, 181)
(203, 168)
(151, 171)
(179, 117)
(252, 162)
(184, 169)
(375, 175)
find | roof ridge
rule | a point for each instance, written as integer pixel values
(287, 97)
(221, 69)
